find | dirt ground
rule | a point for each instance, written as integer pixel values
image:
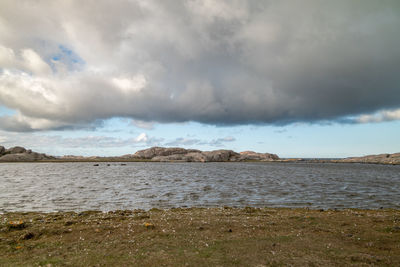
(202, 237)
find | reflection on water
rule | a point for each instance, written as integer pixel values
(82, 186)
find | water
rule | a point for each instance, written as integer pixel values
(81, 186)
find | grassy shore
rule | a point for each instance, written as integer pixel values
(202, 237)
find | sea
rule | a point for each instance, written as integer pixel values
(50, 187)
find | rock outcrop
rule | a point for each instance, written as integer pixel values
(16, 150)
(192, 155)
(18, 153)
(376, 159)
(221, 155)
(251, 155)
(207, 156)
(162, 151)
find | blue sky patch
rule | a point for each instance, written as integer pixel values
(4, 111)
(67, 56)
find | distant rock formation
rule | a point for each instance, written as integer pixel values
(152, 152)
(162, 154)
(21, 154)
(207, 156)
(251, 155)
(17, 150)
(376, 159)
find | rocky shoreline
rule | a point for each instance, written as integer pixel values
(393, 159)
(162, 154)
(177, 154)
(21, 154)
(155, 154)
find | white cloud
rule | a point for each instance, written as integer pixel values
(35, 63)
(141, 138)
(3, 139)
(381, 116)
(130, 84)
(7, 57)
(27, 60)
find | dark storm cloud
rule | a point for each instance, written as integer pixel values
(214, 62)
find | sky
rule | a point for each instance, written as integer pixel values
(296, 78)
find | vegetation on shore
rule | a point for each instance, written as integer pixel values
(202, 237)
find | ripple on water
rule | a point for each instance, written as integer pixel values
(81, 186)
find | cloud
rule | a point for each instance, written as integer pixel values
(280, 131)
(220, 142)
(181, 141)
(148, 125)
(214, 62)
(142, 138)
(21, 123)
(381, 116)
(41, 142)
(99, 144)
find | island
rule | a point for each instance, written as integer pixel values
(156, 154)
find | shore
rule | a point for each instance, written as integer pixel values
(123, 161)
(202, 237)
(177, 154)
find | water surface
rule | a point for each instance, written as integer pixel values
(81, 186)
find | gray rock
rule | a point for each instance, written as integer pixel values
(18, 153)
(251, 155)
(15, 150)
(162, 151)
(193, 155)
(221, 155)
(33, 156)
(176, 157)
(377, 159)
(207, 156)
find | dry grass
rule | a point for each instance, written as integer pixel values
(202, 237)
